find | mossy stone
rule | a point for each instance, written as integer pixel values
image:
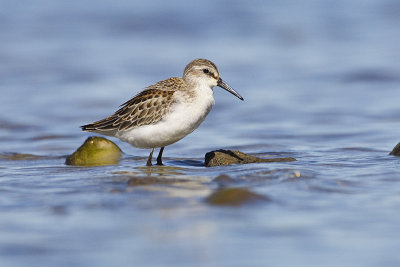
(95, 151)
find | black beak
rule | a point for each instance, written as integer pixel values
(225, 86)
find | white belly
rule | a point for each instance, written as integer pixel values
(183, 119)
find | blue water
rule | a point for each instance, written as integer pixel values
(320, 81)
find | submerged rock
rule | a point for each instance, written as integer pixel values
(95, 151)
(224, 180)
(228, 157)
(234, 197)
(139, 181)
(396, 150)
(20, 156)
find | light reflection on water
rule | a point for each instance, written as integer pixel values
(320, 84)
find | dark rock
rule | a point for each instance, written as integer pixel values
(234, 197)
(228, 157)
(95, 151)
(396, 150)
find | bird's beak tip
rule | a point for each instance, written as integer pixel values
(221, 83)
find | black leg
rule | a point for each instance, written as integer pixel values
(159, 158)
(150, 158)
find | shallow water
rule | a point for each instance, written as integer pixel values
(321, 84)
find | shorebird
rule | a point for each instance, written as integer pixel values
(165, 112)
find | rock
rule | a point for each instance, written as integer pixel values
(234, 197)
(228, 157)
(20, 156)
(224, 180)
(95, 151)
(139, 181)
(396, 150)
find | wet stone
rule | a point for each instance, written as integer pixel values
(95, 151)
(234, 197)
(228, 157)
(396, 150)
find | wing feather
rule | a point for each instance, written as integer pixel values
(147, 107)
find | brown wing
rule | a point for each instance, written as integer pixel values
(147, 107)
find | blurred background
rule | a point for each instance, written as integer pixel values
(320, 81)
(65, 64)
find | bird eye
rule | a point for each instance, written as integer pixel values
(206, 71)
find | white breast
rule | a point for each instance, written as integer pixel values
(185, 116)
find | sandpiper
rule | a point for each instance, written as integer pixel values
(165, 112)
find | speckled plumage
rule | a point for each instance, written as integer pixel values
(167, 111)
(147, 107)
